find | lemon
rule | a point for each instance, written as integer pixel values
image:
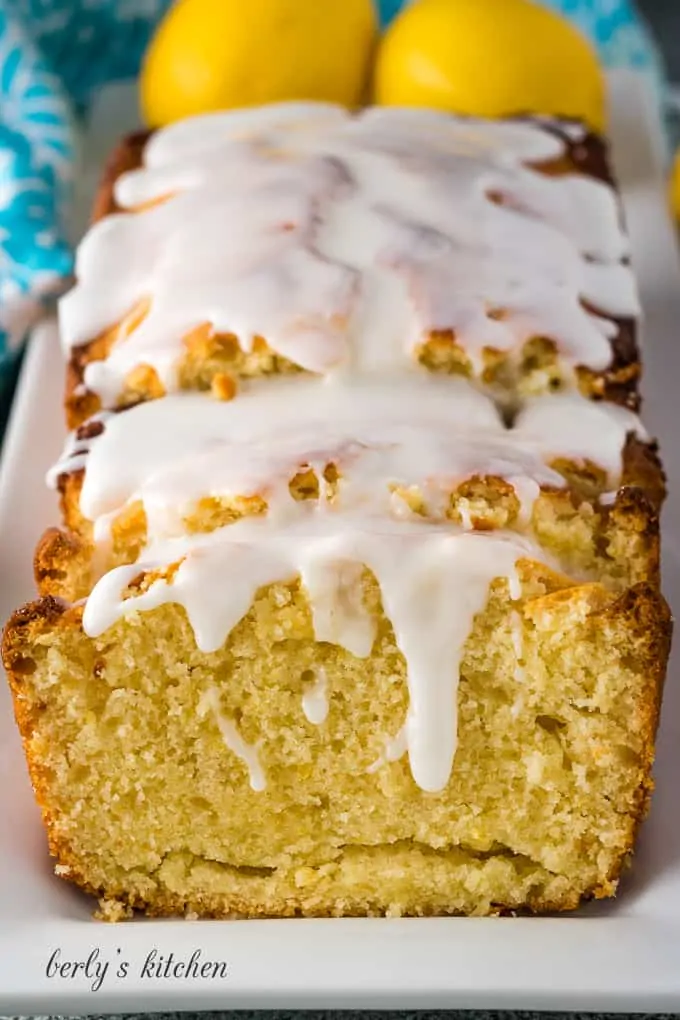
(214, 54)
(489, 58)
(675, 187)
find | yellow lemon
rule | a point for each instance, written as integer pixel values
(675, 187)
(489, 58)
(215, 54)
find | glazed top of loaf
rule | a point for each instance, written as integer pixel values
(378, 433)
(346, 240)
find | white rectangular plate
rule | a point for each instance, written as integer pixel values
(622, 955)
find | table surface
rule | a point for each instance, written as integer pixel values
(663, 16)
(332, 1014)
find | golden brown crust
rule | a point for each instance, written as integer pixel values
(126, 156)
(642, 469)
(61, 565)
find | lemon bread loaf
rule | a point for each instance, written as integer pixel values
(354, 607)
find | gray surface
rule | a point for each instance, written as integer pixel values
(663, 17)
(366, 1014)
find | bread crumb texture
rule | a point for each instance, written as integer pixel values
(147, 806)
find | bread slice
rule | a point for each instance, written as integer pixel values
(580, 476)
(148, 756)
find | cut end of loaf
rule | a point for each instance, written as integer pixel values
(551, 779)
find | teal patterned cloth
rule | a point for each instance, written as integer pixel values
(54, 54)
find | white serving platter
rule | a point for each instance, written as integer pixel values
(616, 956)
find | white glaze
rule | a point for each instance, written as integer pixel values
(194, 439)
(315, 703)
(567, 425)
(395, 748)
(233, 739)
(406, 431)
(345, 240)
